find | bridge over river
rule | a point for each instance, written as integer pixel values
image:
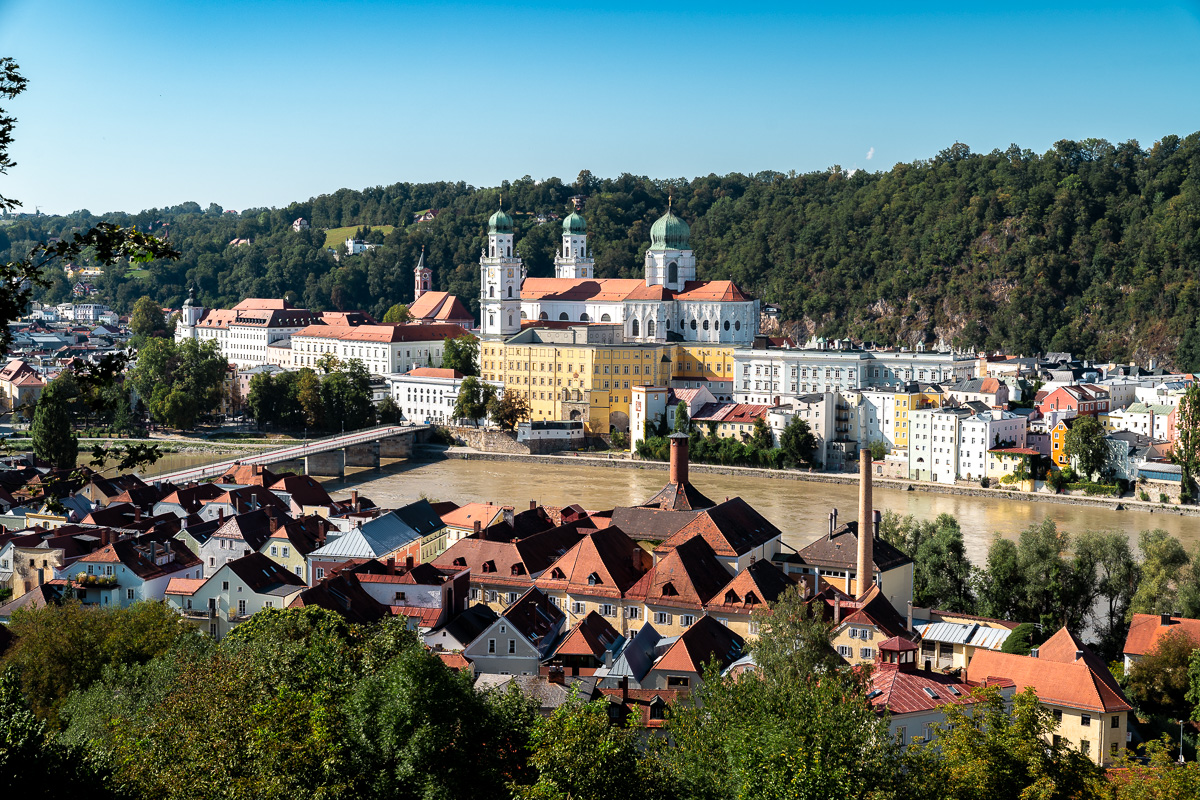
(326, 457)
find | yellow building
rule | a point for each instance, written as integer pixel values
(711, 363)
(912, 397)
(1058, 440)
(584, 372)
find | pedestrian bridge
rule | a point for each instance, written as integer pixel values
(326, 457)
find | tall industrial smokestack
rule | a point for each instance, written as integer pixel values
(679, 458)
(866, 531)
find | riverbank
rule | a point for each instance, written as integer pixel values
(435, 453)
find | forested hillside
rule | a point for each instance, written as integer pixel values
(1090, 247)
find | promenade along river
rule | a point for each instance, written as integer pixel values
(798, 508)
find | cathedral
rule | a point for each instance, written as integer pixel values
(668, 305)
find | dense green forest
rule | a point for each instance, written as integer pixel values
(1090, 247)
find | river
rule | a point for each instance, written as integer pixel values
(799, 508)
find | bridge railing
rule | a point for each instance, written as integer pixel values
(290, 452)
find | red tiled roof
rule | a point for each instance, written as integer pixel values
(591, 636)
(1074, 684)
(466, 516)
(753, 588)
(686, 576)
(1146, 629)
(606, 563)
(732, 528)
(384, 333)
(725, 291)
(699, 644)
(902, 692)
(185, 586)
(435, 372)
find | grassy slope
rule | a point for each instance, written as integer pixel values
(337, 236)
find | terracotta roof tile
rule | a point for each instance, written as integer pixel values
(1146, 629)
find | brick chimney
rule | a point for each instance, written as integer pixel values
(408, 562)
(354, 500)
(137, 514)
(221, 515)
(273, 523)
(866, 531)
(837, 609)
(478, 526)
(679, 458)
(533, 505)
(391, 565)
(555, 675)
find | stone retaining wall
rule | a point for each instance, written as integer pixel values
(815, 477)
(505, 443)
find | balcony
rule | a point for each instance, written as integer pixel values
(199, 613)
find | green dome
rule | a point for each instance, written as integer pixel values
(500, 222)
(669, 232)
(575, 224)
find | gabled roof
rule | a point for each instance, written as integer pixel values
(903, 692)
(686, 576)
(732, 528)
(342, 595)
(466, 516)
(606, 563)
(591, 636)
(1075, 684)
(466, 627)
(515, 563)
(263, 576)
(440, 306)
(874, 609)
(141, 556)
(699, 644)
(249, 475)
(841, 551)
(384, 534)
(252, 527)
(1146, 629)
(754, 587)
(678, 497)
(191, 498)
(534, 616)
(651, 524)
(303, 490)
(637, 655)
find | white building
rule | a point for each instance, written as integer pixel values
(300, 224)
(818, 410)
(668, 303)
(933, 443)
(979, 433)
(648, 404)
(383, 349)
(245, 332)
(235, 591)
(1148, 420)
(354, 247)
(877, 417)
(427, 394)
(773, 375)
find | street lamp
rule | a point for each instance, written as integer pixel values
(1181, 740)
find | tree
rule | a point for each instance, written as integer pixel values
(461, 354)
(682, 422)
(147, 318)
(1020, 640)
(579, 754)
(1159, 681)
(983, 751)
(761, 438)
(1186, 452)
(942, 571)
(397, 315)
(879, 450)
(797, 442)
(1105, 559)
(308, 386)
(53, 439)
(508, 409)
(1084, 444)
(388, 412)
(1000, 584)
(473, 399)
(1163, 559)
(179, 382)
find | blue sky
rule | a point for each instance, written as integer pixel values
(133, 105)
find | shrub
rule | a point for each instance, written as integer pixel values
(1163, 497)
(985, 481)
(1143, 496)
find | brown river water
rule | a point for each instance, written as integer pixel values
(799, 508)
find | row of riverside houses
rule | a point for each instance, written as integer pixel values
(627, 604)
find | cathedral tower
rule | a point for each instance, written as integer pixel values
(501, 275)
(574, 261)
(422, 277)
(669, 261)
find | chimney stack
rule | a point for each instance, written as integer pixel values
(837, 609)
(1164, 619)
(478, 527)
(408, 562)
(354, 500)
(391, 565)
(866, 538)
(909, 626)
(555, 675)
(137, 514)
(273, 523)
(220, 515)
(679, 458)
(533, 505)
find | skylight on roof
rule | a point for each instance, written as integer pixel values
(954, 691)
(929, 691)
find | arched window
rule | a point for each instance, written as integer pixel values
(635, 327)
(510, 320)
(543, 315)
(672, 272)
(510, 291)
(566, 250)
(693, 324)
(524, 316)
(650, 328)
(563, 316)
(509, 252)
(737, 325)
(605, 318)
(726, 324)
(705, 324)
(491, 291)
(492, 251)
(584, 317)
(491, 320)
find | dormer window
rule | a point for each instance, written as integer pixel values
(488, 566)
(518, 569)
(557, 574)
(668, 590)
(460, 562)
(593, 579)
(730, 598)
(751, 599)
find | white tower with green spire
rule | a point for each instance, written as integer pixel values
(501, 275)
(574, 261)
(670, 261)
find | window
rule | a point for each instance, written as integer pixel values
(662, 618)
(1116, 722)
(577, 607)
(512, 647)
(1085, 720)
(866, 652)
(274, 550)
(491, 645)
(224, 586)
(678, 681)
(320, 573)
(901, 735)
(511, 598)
(608, 610)
(286, 552)
(241, 608)
(1085, 747)
(1113, 748)
(633, 612)
(1058, 715)
(845, 651)
(687, 620)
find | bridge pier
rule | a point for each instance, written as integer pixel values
(363, 455)
(331, 463)
(396, 447)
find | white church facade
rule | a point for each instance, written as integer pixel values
(668, 305)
